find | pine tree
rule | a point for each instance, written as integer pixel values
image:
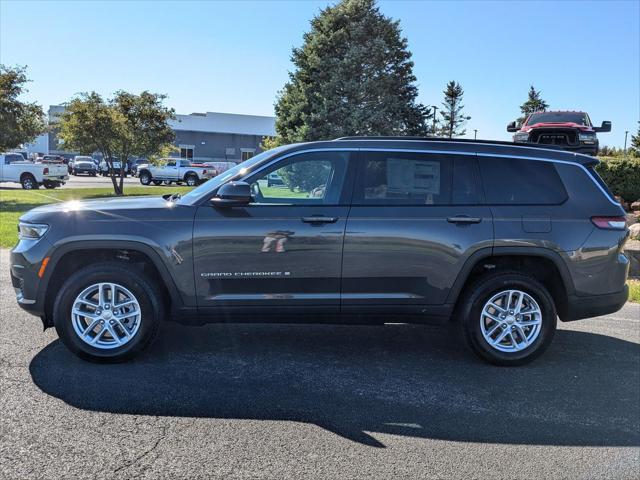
(635, 143)
(353, 76)
(453, 120)
(533, 104)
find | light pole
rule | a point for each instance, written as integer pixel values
(475, 133)
(434, 119)
(625, 141)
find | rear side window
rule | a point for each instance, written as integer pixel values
(600, 181)
(512, 181)
(403, 178)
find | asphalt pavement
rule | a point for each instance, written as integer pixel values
(280, 401)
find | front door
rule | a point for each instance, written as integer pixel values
(416, 218)
(282, 251)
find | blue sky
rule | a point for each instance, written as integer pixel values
(234, 56)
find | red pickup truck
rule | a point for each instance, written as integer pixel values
(569, 130)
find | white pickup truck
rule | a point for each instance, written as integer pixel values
(14, 168)
(174, 170)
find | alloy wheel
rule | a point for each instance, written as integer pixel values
(510, 321)
(106, 315)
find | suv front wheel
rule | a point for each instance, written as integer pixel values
(107, 312)
(508, 318)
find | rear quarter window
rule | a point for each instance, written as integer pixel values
(513, 181)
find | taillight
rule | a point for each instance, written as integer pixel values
(610, 223)
(45, 171)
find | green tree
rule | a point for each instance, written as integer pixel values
(635, 143)
(20, 122)
(453, 119)
(534, 103)
(353, 76)
(124, 126)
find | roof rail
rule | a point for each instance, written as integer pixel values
(453, 140)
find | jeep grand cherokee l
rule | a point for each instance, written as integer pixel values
(502, 239)
(567, 130)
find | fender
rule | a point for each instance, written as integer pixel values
(151, 251)
(487, 252)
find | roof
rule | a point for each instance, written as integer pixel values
(215, 122)
(559, 111)
(485, 147)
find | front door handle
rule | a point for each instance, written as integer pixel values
(464, 219)
(319, 219)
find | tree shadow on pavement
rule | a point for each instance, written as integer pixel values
(416, 381)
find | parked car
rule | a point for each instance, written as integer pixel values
(499, 238)
(14, 168)
(135, 164)
(274, 180)
(174, 170)
(104, 167)
(571, 131)
(83, 165)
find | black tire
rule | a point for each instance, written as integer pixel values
(145, 178)
(475, 297)
(28, 182)
(157, 182)
(191, 180)
(144, 290)
(49, 185)
(93, 174)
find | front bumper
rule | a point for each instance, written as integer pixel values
(25, 262)
(593, 306)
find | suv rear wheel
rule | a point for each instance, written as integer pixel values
(107, 313)
(508, 318)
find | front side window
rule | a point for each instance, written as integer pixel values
(171, 164)
(403, 178)
(512, 181)
(314, 178)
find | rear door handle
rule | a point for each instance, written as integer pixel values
(464, 219)
(319, 219)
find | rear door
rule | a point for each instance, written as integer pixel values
(415, 219)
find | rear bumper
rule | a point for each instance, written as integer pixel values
(594, 306)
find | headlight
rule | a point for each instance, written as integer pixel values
(31, 231)
(587, 137)
(521, 137)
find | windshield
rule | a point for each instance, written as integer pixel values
(558, 117)
(228, 175)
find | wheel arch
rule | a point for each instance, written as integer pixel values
(77, 254)
(190, 172)
(546, 266)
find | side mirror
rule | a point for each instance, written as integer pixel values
(605, 127)
(512, 127)
(232, 194)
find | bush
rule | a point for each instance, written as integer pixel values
(622, 175)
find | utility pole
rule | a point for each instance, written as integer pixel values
(434, 119)
(625, 141)
(475, 133)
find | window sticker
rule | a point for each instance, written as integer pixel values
(413, 177)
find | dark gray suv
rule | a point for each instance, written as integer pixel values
(502, 239)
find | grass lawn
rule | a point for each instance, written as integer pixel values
(13, 203)
(634, 291)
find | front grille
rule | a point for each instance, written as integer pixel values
(554, 137)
